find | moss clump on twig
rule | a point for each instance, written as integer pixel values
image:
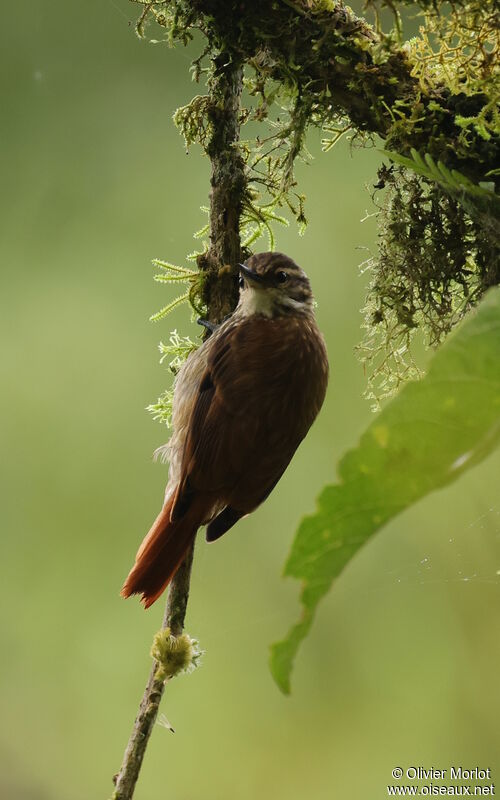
(174, 654)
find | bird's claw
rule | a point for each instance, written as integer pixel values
(205, 323)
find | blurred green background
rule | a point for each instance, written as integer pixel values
(401, 667)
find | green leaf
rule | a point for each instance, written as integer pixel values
(450, 180)
(432, 432)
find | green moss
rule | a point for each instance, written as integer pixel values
(434, 262)
(314, 62)
(174, 654)
(175, 353)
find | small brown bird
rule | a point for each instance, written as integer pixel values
(243, 402)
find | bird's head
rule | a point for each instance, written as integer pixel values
(273, 284)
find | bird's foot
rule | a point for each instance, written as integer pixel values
(205, 323)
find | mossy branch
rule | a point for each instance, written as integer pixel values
(173, 650)
(433, 100)
(345, 66)
(228, 186)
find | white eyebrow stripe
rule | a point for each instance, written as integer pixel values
(297, 305)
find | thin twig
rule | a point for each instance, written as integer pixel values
(175, 612)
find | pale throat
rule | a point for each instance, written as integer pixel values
(268, 303)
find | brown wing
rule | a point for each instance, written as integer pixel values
(264, 384)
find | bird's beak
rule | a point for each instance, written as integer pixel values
(250, 275)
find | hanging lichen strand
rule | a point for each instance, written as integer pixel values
(433, 265)
(434, 102)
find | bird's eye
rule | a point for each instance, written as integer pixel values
(281, 277)
(241, 282)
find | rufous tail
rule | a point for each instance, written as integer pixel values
(161, 554)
